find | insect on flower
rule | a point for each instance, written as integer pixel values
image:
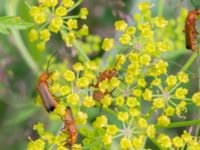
(190, 30)
(70, 127)
(105, 75)
(48, 99)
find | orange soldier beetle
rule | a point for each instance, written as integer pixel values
(105, 75)
(48, 99)
(190, 30)
(70, 127)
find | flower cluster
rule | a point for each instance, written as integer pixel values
(135, 97)
(53, 17)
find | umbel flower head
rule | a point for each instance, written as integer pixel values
(54, 16)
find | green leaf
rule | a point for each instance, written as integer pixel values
(13, 22)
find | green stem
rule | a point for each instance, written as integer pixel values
(71, 17)
(160, 7)
(155, 143)
(189, 62)
(78, 3)
(81, 51)
(180, 124)
(11, 7)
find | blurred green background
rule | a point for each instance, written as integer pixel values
(18, 80)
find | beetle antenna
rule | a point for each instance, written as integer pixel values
(50, 59)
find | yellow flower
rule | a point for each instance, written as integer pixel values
(69, 75)
(125, 143)
(183, 77)
(180, 93)
(134, 69)
(101, 121)
(60, 147)
(123, 116)
(125, 39)
(158, 102)
(78, 67)
(150, 48)
(33, 35)
(137, 92)
(169, 111)
(61, 11)
(145, 59)
(108, 44)
(129, 78)
(160, 22)
(68, 3)
(77, 147)
(156, 82)
(56, 24)
(134, 112)
(38, 100)
(91, 65)
(144, 6)
(72, 24)
(132, 102)
(36, 145)
(107, 139)
(84, 30)
(106, 101)
(83, 13)
(147, 95)
(119, 100)
(142, 82)
(164, 141)
(55, 88)
(83, 82)
(34, 11)
(81, 118)
(41, 46)
(60, 110)
(196, 98)
(73, 99)
(187, 137)
(163, 46)
(114, 82)
(178, 142)
(144, 27)
(39, 127)
(39, 18)
(112, 129)
(88, 101)
(51, 3)
(163, 121)
(64, 90)
(133, 57)
(171, 80)
(138, 142)
(131, 30)
(151, 131)
(45, 35)
(69, 39)
(142, 123)
(120, 25)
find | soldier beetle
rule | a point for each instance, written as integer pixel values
(48, 99)
(70, 127)
(105, 75)
(190, 30)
